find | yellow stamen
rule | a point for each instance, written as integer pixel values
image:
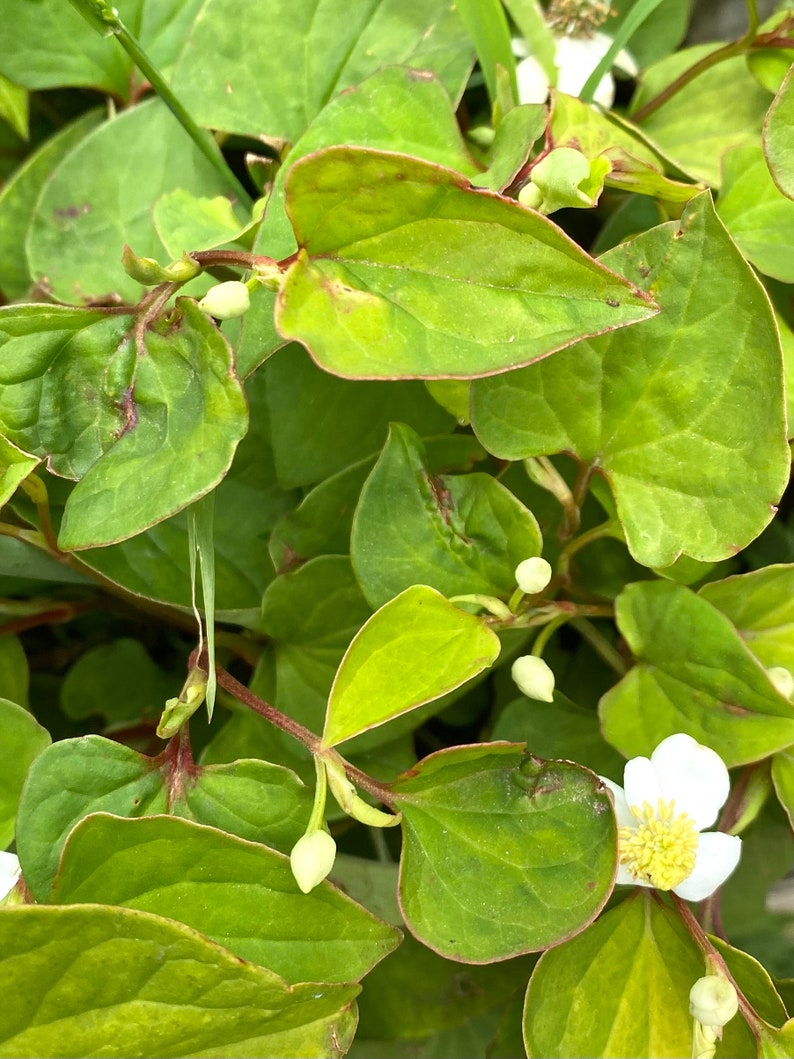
(661, 849)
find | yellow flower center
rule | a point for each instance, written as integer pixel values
(661, 849)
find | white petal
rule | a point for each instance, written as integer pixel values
(693, 776)
(605, 93)
(717, 856)
(9, 873)
(622, 811)
(625, 878)
(641, 782)
(533, 84)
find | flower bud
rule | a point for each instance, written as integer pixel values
(534, 678)
(226, 300)
(713, 1001)
(533, 575)
(782, 680)
(312, 858)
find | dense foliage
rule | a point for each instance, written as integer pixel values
(426, 425)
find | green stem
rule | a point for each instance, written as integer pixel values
(317, 819)
(105, 20)
(597, 533)
(546, 633)
(737, 47)
(601, 645)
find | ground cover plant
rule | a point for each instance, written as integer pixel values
(397, 568)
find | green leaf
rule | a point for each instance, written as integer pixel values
(503, 853)
(113, 982)
(457, 533)
(238, 893)
(76, 777)
(184, 418)
(558, 730)
(249, 502)
(22, 739)
(311, 614)
(15, 107)
(14, 673)
(51, 351)
(440, 280)
(695, 464)
(185, 221)
(622, 988)
(760, 604)
(322, 522)
(91, 206)
(346, 420)
(758, 216)
(434, 646)
(778, 143)
(722, 107)
(70, 779)
(117, 681)
(18, 198)
(15, 467)
(783, 779)
(633, 166)
(660, 33)
(302, 54)
(487, 26)
(396, 109)
(694, 675)
(48, 43)
(515, 135)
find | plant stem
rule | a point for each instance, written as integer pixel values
(601, 645)
(105, 20)
(737, 47)
(264, 709)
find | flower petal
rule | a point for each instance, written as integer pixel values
(9, 873)
(641, 782)
(717, 856)
(625, 878)
(533, 84)
(693, 776)
(622, 811)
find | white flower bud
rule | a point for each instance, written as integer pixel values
(713, 1000)
(312, 858)
(533, 575)
(226, 300)
(534, 678)
(782, 680)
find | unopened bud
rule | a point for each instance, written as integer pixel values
(534, 678)
(226, 300)
(782, 680)
(312, 858)
(533, 575)
(713, 1001)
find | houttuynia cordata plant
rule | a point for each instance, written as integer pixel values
(396, 564)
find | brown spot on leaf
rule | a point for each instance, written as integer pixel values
(613, 302)
(70, 212)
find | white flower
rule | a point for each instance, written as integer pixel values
(664, 804)
(312, 858)
(9, 873)
(575, 59)
(533, 575)
(533, 677)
